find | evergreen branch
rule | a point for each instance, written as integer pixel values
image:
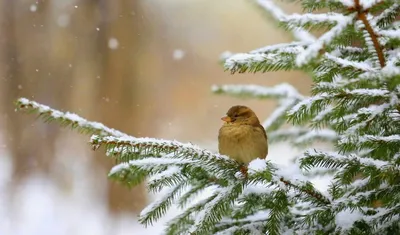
(182, 222)
(216, 208)
(312, 51)
(276, 12)
(292, 48)
(303, 136)
(193, 191)
(280, 91)
(278, 117)
(243, 62)
(253, 227)
(387, 16)
(302, 20)
(350, 143)
(314, 5)
(313, 157)
(170, 177)
(66, 119)
(327, 135)
(307, 189)
(348, 100)
(158, 208)
(260, 171)
(277, 212)
(214, 162)
(362, 66)
(361, 15)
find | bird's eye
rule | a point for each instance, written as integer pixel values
(236, 115)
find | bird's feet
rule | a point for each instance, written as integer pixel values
(243, 170)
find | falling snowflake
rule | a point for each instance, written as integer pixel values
(33, 8)
(113, 43)
(178, 54)
(63, 20)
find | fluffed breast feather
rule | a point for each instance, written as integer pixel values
(243, 143)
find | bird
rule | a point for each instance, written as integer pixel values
(242, 137)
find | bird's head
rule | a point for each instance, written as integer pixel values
(240, 115)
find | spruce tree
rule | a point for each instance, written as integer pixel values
(354, 106)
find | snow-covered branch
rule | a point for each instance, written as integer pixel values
(66, 118)
(276, 12)
(280, 91)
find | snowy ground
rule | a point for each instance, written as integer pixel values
(40, 209)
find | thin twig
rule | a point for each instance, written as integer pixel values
(315, 195)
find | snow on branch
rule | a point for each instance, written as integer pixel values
(245, 62)
(277, 118)
(66, 119)
(367, 4)
(166, 148)
(316, 158)
(303, 136)
(280, 91)
(291, 47)
(388, 15)
(312, 51)
(363, 66)
(276, 12)
(285, 177)
(390, 33)
(369, 140)
(310, 18)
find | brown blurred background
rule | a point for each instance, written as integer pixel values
(143, 67)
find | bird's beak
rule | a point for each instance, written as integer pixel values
(226, 119)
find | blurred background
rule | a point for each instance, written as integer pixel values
(144, 67)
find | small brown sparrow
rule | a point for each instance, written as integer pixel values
(242, 137)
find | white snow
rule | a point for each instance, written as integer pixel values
(257, 165)
(390, 33)
(385, 13)
(292, 47)
(348, 3)
(334, 155)
(177, 146)
(345, 219)
(113, 43)
(33, 8)
(160, 200)
(348, 63)
(303, 19)
(312, 51)
(243, 58)
(71, 117)
(283, 90)
(290, 172)
(63, 20)
(149, 162)
(171, 170)
(366, 4)
(178, 54)
(279, 112)
(257, 188)
(204, 214)
(306, 103)
(278, 14)
(318, 133)
(369, 92)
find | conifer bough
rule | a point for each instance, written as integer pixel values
(354, 108)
